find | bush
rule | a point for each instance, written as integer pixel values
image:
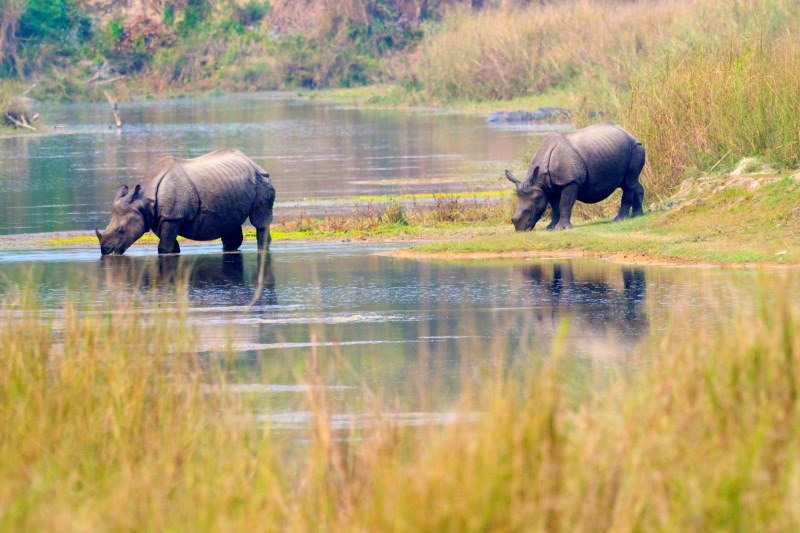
(394, 213)
(251, 12)
(55, 20)
(49, 29)
(194, 14)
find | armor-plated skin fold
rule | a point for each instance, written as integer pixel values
(205, 198)
(586, 165)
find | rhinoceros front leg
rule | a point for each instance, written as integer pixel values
(168, 237)
(555, 212)
(568, 196)
(263, 237)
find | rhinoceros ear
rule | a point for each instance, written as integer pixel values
(122, 191)
(511, 178)
(531, 178)
(136, 193)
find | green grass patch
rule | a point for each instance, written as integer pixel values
(736, 226)
(384, 198)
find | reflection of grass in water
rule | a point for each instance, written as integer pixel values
(112, 422)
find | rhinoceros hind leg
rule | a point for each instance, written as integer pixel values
(638, 200)
(232, 241)
(625, 204)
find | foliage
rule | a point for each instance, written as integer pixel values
(10, 13)
(194, 14)
(394, 213)
(60, 20)
(251, 12)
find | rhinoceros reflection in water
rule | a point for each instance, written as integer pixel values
(600, 314)
(211, 280)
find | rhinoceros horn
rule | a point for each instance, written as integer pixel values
(511, 178)
(99, 235)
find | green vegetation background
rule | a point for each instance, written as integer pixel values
(703, 83)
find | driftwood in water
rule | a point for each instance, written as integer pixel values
(18, 112)
(113, 103)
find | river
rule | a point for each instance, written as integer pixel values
(412, 330)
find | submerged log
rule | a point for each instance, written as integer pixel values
(18, 112)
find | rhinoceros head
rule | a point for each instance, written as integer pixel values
(531, 200)
(127, 223)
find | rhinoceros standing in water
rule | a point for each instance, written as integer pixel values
(205, 198)
(586, 165)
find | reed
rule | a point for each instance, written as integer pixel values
(711, 108)
(107, 422)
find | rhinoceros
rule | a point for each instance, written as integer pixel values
(586, 165)
(205, 198)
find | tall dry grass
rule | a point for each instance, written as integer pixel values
(503, 52)
(106, 422)
(711, 108)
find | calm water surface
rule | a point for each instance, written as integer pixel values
(313, 151)
(410, 329)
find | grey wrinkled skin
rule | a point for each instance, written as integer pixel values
(205, 198)
(586, 165)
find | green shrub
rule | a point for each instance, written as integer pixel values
(251, 12)
(194, 14)
(395, 213)
(57, 20)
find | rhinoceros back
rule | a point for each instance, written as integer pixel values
(223, 183)
(606, 151)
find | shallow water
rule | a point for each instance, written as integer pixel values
(413, 330)
(407, 335)
(312, 150)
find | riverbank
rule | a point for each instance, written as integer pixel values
(726, 220)
(392, 96)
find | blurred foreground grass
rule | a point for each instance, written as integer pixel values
(114, 420)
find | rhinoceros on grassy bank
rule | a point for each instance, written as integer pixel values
(586, 165)
(205, 198)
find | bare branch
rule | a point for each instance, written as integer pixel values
(113, 103)
(20, 124)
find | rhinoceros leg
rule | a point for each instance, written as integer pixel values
(263, 237)
(628, 198)
(168, 237)
(631, 181)
(568, 196)
(638, 200)
(555, 212)
(232, 241)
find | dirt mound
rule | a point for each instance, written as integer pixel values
(750, 174)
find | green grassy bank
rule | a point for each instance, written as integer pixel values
(734, 226)
(722, 219)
